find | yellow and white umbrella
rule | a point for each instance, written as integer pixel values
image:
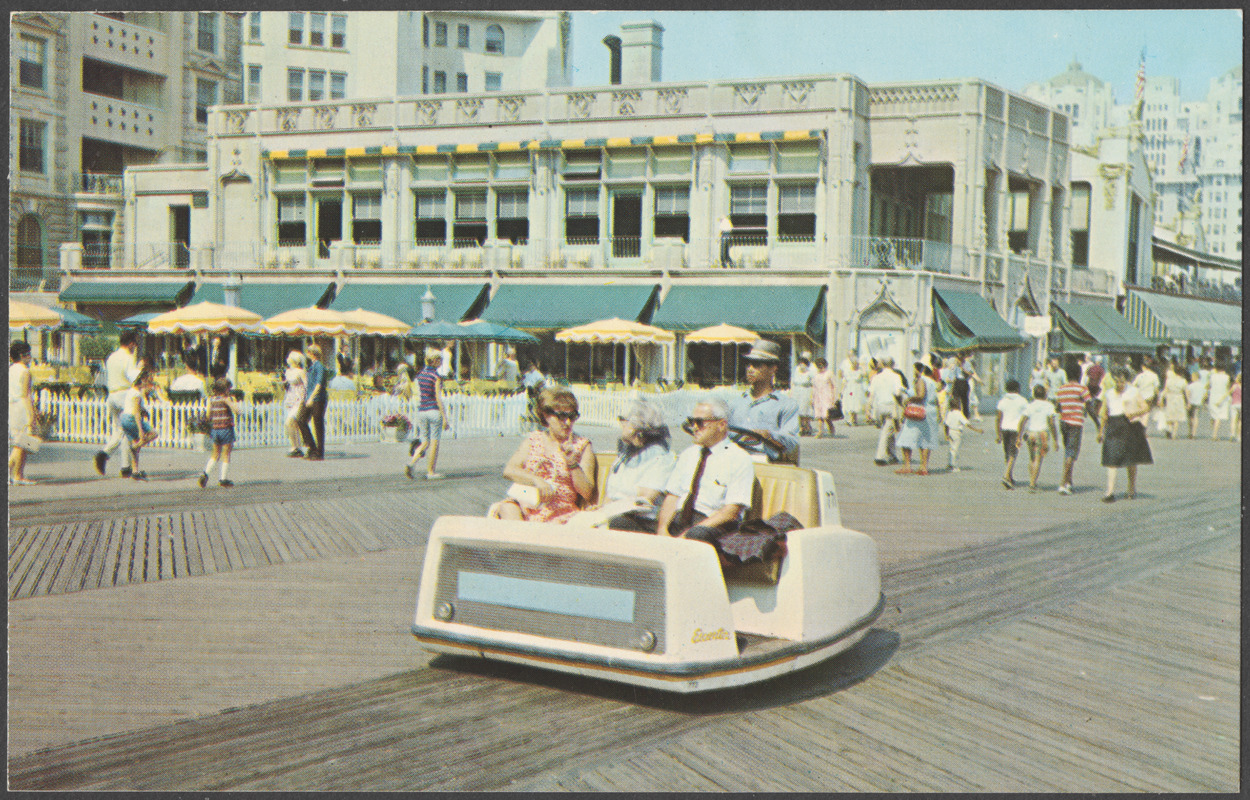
(29, 315)
(377, 324)
(615, 331)
(312, 321)
(723, 334)
(205, 318)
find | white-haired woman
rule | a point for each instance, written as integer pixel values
(296, 381)
(643, 462)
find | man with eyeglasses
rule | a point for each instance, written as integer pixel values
(710, 486)
(771, 417)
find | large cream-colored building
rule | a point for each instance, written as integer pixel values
(90, 95)
(887, 219)
(309, 56)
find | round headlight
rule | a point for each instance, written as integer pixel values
(646, 641)
(444, 611)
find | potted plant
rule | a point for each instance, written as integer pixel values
(199, 425)
(395, 427)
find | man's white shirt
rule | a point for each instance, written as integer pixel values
(728, 477)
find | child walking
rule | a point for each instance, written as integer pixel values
(956, 422)
(221, 412)
(1007, 427)
(1039, 428)
(134, 421)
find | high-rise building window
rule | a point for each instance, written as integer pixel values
(581, 216)
(462, 36)
(317, 29)
(470, 227)
(367, 218)
(295, 27)
(440, 34)
(205, 96)
(206, 31)
(796, 212)
(748, 210)
(291, 220)
(338, 30)
(440, 81)
(425, 80)
(512, 215)
(494, 81)
(338, 85)
(30, 146)
(1079, 224)
(462, 82)
(425, 31)
(294, 84)
(494, 39)
(672, 212)
(253, 83)
(316, 84)
(33, 54)
(253, 26)
(431, 222)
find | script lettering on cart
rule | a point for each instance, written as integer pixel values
(700, 636)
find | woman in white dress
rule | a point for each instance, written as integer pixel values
(853, 390)
(801, 391)
(22, 414)
(1219, 398)
(296, 380)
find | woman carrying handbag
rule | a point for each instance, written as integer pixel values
(920, 416)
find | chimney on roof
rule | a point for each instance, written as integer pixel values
(641, 48)
(614, 65)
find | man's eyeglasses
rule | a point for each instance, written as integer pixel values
(699, 422)
(567, 416)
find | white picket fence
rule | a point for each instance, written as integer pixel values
(358, 421)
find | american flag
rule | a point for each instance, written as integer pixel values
(1180, 165)
(1140, 95)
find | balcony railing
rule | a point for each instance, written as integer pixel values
(1196, 288)
(26, 279)
(886, 252)
(98, 183)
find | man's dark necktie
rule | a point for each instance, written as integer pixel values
(687, 509)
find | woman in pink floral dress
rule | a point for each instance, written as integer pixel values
(824, 393)
(558, 463)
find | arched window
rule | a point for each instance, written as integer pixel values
(29, 242)
(494, 39)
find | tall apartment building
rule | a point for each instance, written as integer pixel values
(1086, 99)
(310, 56)
(90, 95)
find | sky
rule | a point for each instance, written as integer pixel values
(1008, 48)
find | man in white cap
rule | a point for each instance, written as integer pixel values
(771, 417)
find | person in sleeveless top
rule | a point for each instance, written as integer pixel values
(557, 462)
(222, 409)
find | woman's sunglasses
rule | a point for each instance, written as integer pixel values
(567, 416)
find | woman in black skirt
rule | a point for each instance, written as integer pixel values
(1123, 435)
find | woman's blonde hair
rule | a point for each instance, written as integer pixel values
(295, 359)
(432, 354)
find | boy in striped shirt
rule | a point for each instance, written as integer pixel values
(1071, 399)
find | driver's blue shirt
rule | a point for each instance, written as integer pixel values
(774, 413)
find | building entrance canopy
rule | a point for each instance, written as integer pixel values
(764, 309)
(1098, 329)
(1168, 317)
(124, 292)
(965, 322)
(266, 299)
(558, 306)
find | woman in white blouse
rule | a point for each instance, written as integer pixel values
(644, 460)
(1123, 433)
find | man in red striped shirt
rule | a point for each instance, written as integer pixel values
(1071, 399)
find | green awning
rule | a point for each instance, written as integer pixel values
(402, 301)
(73, 322)
(1176, 318)
(135, 292)
(1098, 329)
(763, 309)
(557, 306)
(266, 299)
(965, 321)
